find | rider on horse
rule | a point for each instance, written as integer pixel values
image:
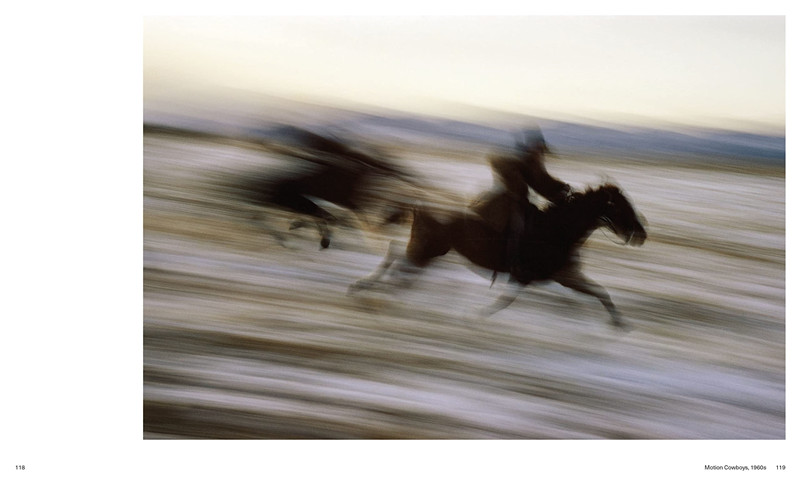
(504, 207)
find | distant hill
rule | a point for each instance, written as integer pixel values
(586, 138)
(563, 136)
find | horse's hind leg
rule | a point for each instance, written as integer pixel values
(429, 239)
(574, 279)
(370, 281)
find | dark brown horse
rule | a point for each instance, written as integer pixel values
(323, 168)
(551, 242)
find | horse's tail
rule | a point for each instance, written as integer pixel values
(418, 215)
(421, 215)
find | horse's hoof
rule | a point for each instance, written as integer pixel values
(620, 325)
(476, 318)
(325, 242)
(355, 287)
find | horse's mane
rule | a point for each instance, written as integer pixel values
(580, 211)
(578, 199)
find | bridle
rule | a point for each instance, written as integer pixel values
(607, 222)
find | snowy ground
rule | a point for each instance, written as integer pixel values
(244, 338)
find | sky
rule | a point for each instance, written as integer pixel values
(697, 70)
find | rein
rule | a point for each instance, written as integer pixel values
(614, 239)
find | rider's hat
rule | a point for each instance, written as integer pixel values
(533, 139)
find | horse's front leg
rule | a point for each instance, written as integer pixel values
(573, 278)
(324, 234)
(297, 202)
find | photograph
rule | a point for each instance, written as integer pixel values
(499, 228)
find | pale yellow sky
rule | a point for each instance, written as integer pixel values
(695, 70)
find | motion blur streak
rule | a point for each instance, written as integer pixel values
(249, 331)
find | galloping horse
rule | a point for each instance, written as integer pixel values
(324, 168)
(551, 242)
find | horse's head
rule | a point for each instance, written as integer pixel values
(619, 215)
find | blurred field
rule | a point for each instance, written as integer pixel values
(244, 338)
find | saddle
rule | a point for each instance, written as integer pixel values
(496, 208)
